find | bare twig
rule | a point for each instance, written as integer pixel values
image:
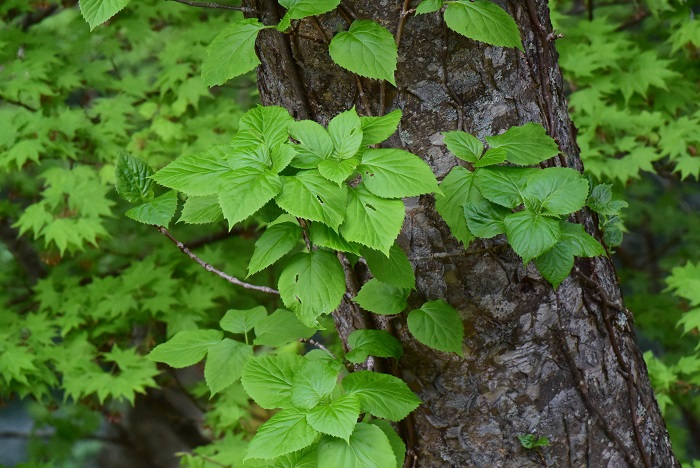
(318, 345)
(210, 268)
(402, 21)
(216, 6)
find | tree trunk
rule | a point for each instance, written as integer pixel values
(561, 364)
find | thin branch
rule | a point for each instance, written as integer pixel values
(318, 345)
(210, 268)
(402, 21)
(217, 6)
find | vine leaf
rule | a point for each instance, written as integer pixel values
(315, 144)
(526, 145)
(531, 234)
(366, 49)
(268, 124)
(285, 432)
(323, 236)
(377, 343)
(485, 219)
(367, 446)
(582, 243)
(458, 188)
(381, 395)
(225, 361)
(196, 174)
(279, 328)
(463, 145)
(492, 156)
(338, 171)
(395, 269)
(246, 190)
(556, 263)
(345, 130)
(503, 185)
(483, 21)
(158, 211)
(337, 418)
(377, 129)
(242, 321)
(232, 52)
(268, 379)
(311, 196)
(395, 440)
(185, 348)
(559, 190)
(133, 179)
(438, 325)
(312, 383)
(277, 241)
(428, 6)
(312, 284)
(382, 298)
(97, 12)
(395, 173)
(298, 9)
(201, 210)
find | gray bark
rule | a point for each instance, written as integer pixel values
(561, 364)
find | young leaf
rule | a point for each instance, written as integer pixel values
(242, 321)
(285, 432)
(382, 298)
(337, 418)
(394, 173)
(232, 52)
(463, 145)
(315, 144)
(197, 174)
(485, 219)
(185, 348)
(279, 328)
(483, 21)
(582, 244)
(225, 361)
(269, 124)
(372, 221)
(503, 185)
(323, 236)
(559, 190)
(395, 269)
(382, 395)
(338, 171)
(366, 49)
(314, 382)
(133, 179)
(345, 130)
(312, 284)
(97, 12)
(377, 129)
(531, 234)
(310, 196)
(458, 188)
(367, 447)
(201, 210)
(526, 145)
(277, 241)
(281, 155)
(438, 325)
(556, 263)
(297, 9)
(397, 445)
(377, 343)
(492, 156)
(158, 211)
(268, 379)
(244, 191)
(428, 6)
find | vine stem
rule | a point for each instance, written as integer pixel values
(210, 268)
(217, 6)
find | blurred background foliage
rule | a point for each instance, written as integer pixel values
(84, 292)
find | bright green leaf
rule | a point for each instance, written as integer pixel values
(185, 348)
(310, 196)
(97, 12)
(438, 325)
(457, 188)
(503, 185)
(559, 190)
(269, 124)
(377, 343)
(483, 21)
(382, 298)
(285, 432)
(338, 171)
(366, 49)
(345, 130)
(377, 129)
(337, 418)
(556, 263)
(491, 157)
(382, 395)
(225, 361)
(531, 234)
(582, 244)
(279, 328)
(312, 383)
(201, 210)
(463, 145)
(397, 445)
(297, 9)
(244, 191)
(232, 52)
(394, 173)
(323, 236)
(485, 219)
(526, 145)
(315, 144)
(133, 179)
(395, 269)
(197, 174)
(428, 6)
(242, 321)
(368, 447)
(277, 241)
(268, 379)
(158, 211)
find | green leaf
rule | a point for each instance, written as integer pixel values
(337, 418)
(285, 432)
(397, 445)
(438, 325)
(232, 52)
(556, 263)
(582, 244)
(377, 129)
(372, 221)
(197, 174)
(268, 379)
(312, 284)
(483, 21)
(244, 191)
(377, 343)
(242, 321)
(526, 145)
(463, 145)
(382, 395)
(277, 241)
(313, 383)
(315, 144)
(368, 447)
(685, 282)
(269, 124)
(345, 130)
(338, 171)
(225, 361)
(310, 196)
(133, 177)
(492, 156)
(395, 269)
(530, 441)
(394, 173)
(503, 185)
(158, 211)
(531, 234)
(97, 12)
(279, 328)
(297, 9)
(185, 348)
(382, 298)
(282, 155)
(559, 190)
(458, 188)
(201, 210)
(323, 236)
(485, 219)
(428, 6)
(366, 49)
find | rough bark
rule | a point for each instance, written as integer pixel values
(561, 364)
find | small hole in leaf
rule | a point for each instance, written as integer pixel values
(320, 200)
(297, 298)
(370, 207)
